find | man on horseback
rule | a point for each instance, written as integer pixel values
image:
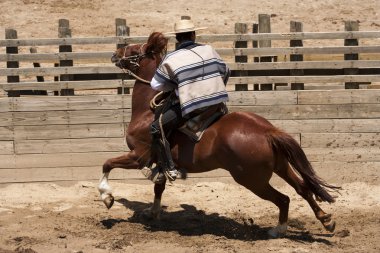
(196, 76)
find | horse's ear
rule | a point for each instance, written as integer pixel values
(157, 42)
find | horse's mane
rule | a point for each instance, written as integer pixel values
(157, 43)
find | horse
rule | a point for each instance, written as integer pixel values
(247, 145)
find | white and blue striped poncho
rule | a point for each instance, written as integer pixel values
(197, 72)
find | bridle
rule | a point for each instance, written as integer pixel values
(134, 60)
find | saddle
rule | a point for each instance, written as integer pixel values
(197, 125)
(197, 122)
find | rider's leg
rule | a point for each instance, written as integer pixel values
(160, 147)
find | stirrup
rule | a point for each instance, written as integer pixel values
(171, 175)
(154, 175)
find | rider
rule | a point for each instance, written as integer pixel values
(198, 76)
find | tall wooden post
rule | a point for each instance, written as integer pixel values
(351, 26)
(296, 27)
(264, 27)
(241, 28)
(255, 44)
(12, 34)
(33, 50)
(64, 31)
(122, 30)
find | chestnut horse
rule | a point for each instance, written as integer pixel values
(243, 143)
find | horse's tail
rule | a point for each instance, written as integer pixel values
(286, 145)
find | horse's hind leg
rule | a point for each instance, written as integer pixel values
(291, 178)
(267, 192)
(126, 161)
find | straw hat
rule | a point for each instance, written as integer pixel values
(186, 25)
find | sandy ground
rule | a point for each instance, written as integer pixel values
(198, 217)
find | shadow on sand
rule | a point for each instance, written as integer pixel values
(192, 222)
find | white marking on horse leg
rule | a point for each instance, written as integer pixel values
(104, 188)
(279, 230)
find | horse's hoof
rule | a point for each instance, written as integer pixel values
(108, 201)
(330, 226)
(278, 231)
(148, 214)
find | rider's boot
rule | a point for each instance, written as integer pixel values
(165, 168)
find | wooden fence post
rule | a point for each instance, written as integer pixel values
(351, 26)
(241, 28)
(264, 27)
(296, 27)
(64, 31)
(122, 30)
(33, 50)
(255, 44)
(12, 34)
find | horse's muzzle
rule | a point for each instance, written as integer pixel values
(115, 59)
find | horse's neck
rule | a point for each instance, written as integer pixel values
(141, 97)
(143, 93)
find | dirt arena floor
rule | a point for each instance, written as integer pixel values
(197, 217)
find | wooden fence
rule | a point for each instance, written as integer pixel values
(67, 138)
(345, 64)
(53, 138)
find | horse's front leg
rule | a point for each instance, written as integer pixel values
(155, 210)
(126, 161)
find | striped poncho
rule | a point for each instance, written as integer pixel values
(197, 73)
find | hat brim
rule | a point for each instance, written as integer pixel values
(187, 30)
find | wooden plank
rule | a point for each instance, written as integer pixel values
(6, 147)
(70, 146)
(46, 71)
(6, 118)
(54, 103)
(70, 117)
(106, 55)
(304, 79)
(339, 97)
(53, 71)
(62, 160)
(328, 125)
(200, 38)
(367, 172)
(54, 57)
(334, 111)
(56, 174)
(352, 154)
(6, 133)
(326, 169)
(77, 85)
(262, 98)
(287, 65)
(47, 132)
(112, 84)
(340, 140)
(89, 173)
(74, 41)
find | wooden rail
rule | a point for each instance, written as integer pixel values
(333, 69)
(93, 66)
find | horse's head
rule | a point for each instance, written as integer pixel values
(129, 57)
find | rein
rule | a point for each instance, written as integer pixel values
(129, 72)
